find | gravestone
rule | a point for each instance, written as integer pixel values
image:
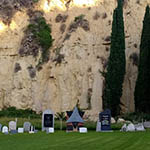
(5, 130)
(20, 130)
(47, 120)
(139, 127)
(130, 127)
(0, 127)
(12, 126)
(83, 130)
(105, 119)
(50, 130)
(98, 126)
(26, 126)
(146, 124)
(31, 129)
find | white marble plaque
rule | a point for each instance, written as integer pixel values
(83, 130)
(20, 130)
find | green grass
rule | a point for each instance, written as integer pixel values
(61, 140)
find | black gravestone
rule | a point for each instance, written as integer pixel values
(48, 120)
(105, 119)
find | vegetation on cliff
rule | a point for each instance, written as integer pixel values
(142, 89)
(116, 63)
(42, 34)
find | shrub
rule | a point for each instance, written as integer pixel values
(42, 34)
(13, 112)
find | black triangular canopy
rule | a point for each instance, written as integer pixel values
(75, 117)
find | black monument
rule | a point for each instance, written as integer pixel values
(105, 119)
(48, 120)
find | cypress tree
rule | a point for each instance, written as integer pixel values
(142, 89)
(116, 63)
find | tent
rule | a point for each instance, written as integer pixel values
(75, 121)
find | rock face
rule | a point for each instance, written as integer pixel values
(80, 51)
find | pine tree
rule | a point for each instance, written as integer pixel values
(142, 89)
(116, 63)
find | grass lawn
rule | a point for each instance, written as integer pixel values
(61, 140)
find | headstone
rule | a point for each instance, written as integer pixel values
(139, 127)
(83, 130)
(20, 130)
(130, 127)
(12, 125)
(26, 126)
(31, 129)
(105, 119)
(124, 127)
(50, 130)
(5, 130)
(47, 120)
(146, 124)
(98, 127)
(0, 127)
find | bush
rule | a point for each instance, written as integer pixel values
(13, 112)
(137, 117)
(42, 34)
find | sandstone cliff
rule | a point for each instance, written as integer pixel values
(79, 52)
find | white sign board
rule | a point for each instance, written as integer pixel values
(50, 130)
(20, 130)
(83, 130)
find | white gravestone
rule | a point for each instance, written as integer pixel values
(12, 125)
(139, 127)
(5, 129)
(20, 130)
(98, 127)
(83, 130)
(47, 120)
(31, 129)
(130, 127)
(26, 126)
(50, 130)
(146, 124)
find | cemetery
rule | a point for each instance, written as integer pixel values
(45, 132)
(74, 75)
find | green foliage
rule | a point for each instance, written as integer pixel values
(13, 112)
(116, 63)
(136, 117)
(142, 89)
(42, 34)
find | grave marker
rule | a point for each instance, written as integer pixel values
(105, 119)
(5, 130)
(20, 130)
(26, 126)
(47, 119)
(12, 126)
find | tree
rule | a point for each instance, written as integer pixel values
(116, 63)
(142, 88)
